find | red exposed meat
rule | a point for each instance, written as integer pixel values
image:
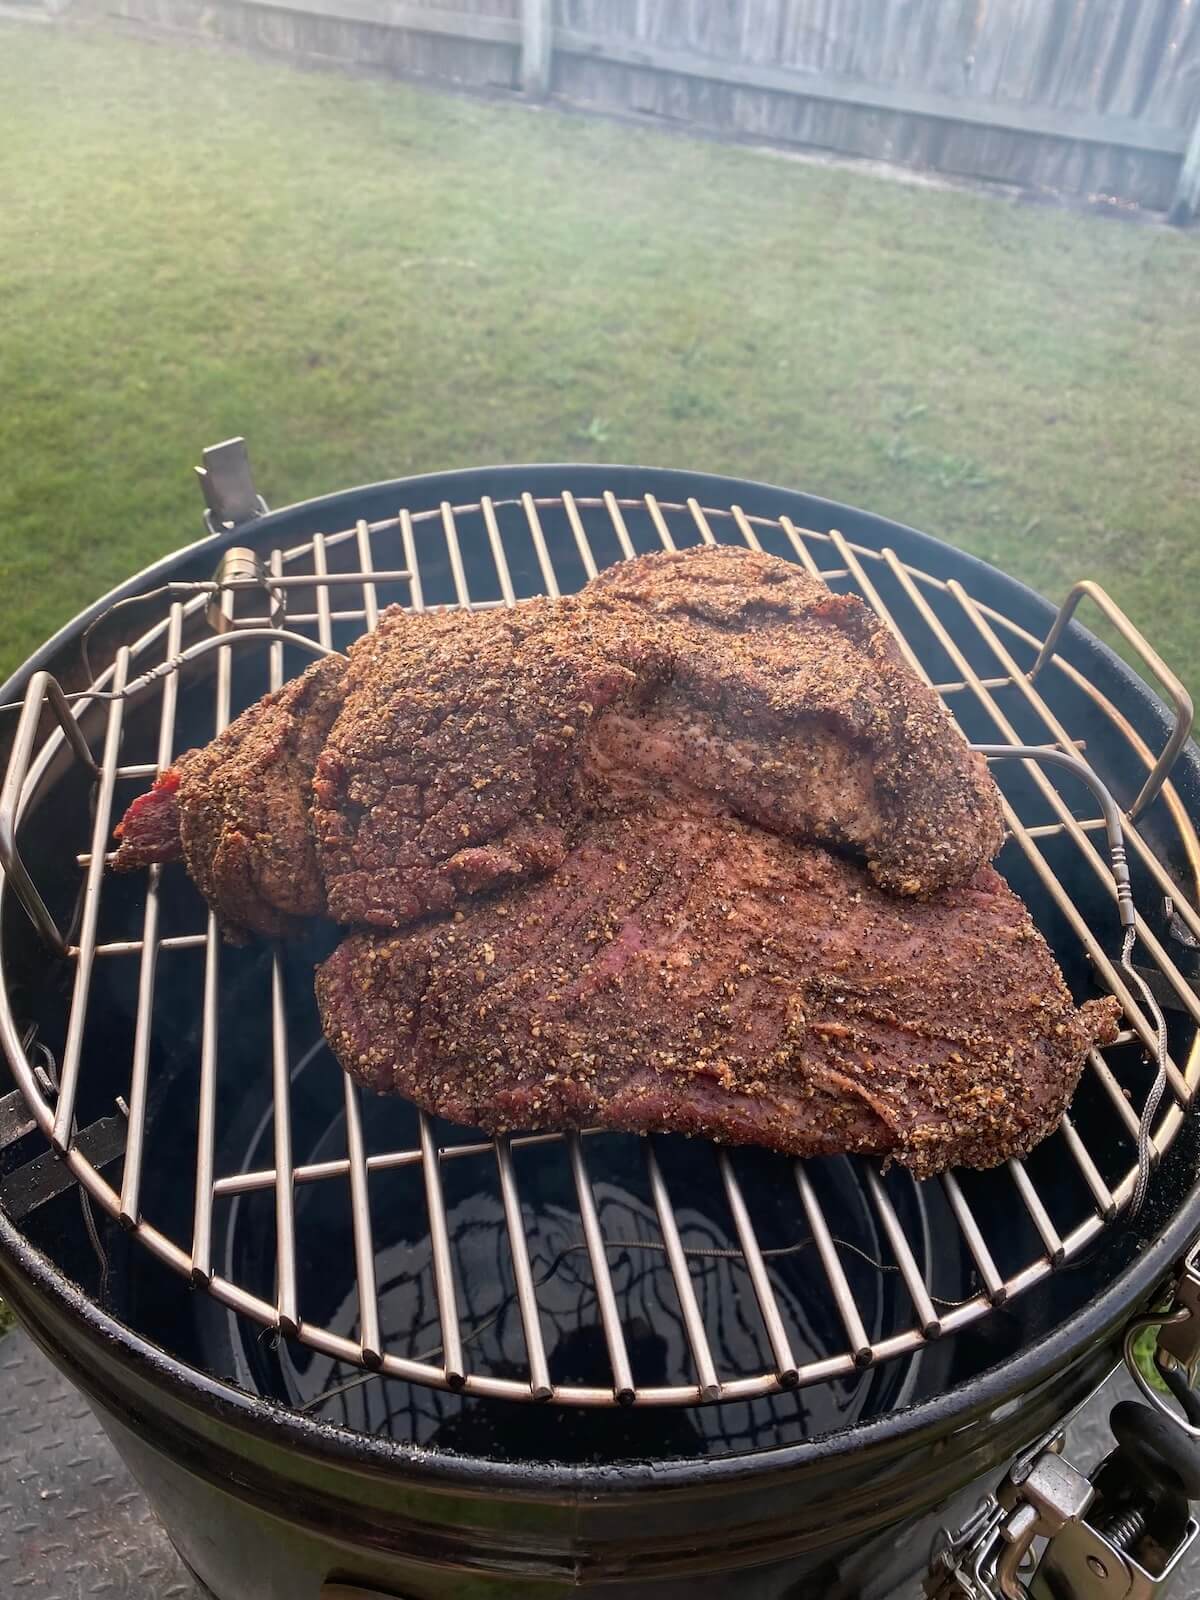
(149, 830)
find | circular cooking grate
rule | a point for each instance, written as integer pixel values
(597, 1269)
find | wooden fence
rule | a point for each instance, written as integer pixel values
(1086, 97)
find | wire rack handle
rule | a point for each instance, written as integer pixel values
(1127, 913)
(1133, 636)
(43, 690)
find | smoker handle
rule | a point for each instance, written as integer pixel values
(43, 690)
(1176, 693)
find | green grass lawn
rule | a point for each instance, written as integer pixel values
(367, 279)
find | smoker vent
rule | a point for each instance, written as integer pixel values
(143, 994)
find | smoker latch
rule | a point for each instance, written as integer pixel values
(1128, 1547)
(1049, 1533)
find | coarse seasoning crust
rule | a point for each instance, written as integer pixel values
(472, 750)
(455, 764)
(793, 705)
(460, 751)
(695, 975)
(242, 809)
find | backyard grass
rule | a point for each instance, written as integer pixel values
(369, 279)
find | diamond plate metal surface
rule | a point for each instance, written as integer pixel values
(73, 1523)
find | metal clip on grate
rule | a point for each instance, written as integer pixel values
(334, 586)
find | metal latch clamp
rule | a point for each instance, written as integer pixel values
(1119, 1534)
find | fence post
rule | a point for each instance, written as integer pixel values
(1186, 200)
(537, 24)
(1187, 191)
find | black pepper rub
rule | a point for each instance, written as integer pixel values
(696, 975)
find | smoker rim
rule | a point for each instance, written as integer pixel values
(1008, 1379)
(148, 1364)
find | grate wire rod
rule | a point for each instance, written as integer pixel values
(454, 551)
(1101, 1193)
(660, 523)
(993, 1283)
(443, 1264)
(702, 525)
(800, 548)
(928, 1317)
(534, 523)
(685, 1289)
(786, 1370)
(1113, 1089)
(610, 1316)
(540, 1385)
(64, 1116)
(135, 1134)
(743, 526)
(201, 1265)
(617, 519)
(369, 577)
(860, 1345)
(582, 543)
(370, 1337)
(281, 1084)
(508, 593)
(1038, 1214)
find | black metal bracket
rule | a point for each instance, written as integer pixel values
(15, 1121)
(47, 1175)
(228, 486)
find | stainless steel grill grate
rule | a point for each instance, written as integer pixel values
(334, 586)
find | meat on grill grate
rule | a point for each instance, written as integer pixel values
(458, 762)
(469, 750)
(695, 975)
(238, 810)
(793, 707)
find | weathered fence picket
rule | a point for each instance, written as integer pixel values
(1092, 97)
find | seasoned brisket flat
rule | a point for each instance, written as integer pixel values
(689, 973)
